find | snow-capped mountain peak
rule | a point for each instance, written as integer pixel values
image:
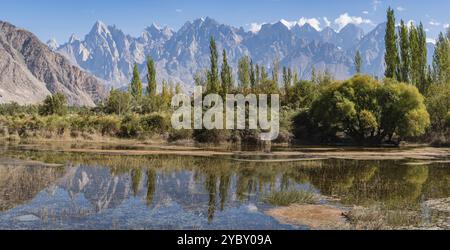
(108, 53)
(53, 44)
(73, 38)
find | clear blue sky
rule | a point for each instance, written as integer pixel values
(60, 18)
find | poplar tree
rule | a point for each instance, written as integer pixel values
(415, 60)
(264, 75)
(151, 77)
(226, 75)
(423, 59)
(252, 76)
(258, 75)
(391, 55)
(358, 62)
(405, 51)
(244, 72)
(165, 93)
(287, 79)
(136, 84)
(296, 79)
(275, 70)
(441, 59)
(213, 74)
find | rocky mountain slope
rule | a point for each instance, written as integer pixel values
(30, 71)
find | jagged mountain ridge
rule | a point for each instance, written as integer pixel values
(30, 71)
(109, 54)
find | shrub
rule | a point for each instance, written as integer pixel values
(55, 104)
(130, 126)
(179, 134)
(14, 108)
(214, 136)
(118, 102)
(56, 124)
(81, 123)
(152, 104)
(107, 125)
(155, 123)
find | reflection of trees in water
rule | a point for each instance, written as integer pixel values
(224, 185)
(354, 182)
(210, 183)
(151, 185)
(136, 175)
(20, 184)
(364, 183)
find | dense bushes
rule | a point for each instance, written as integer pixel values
(75, 125)
(366, 111)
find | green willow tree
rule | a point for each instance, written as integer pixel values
(226, 75)
(358, 62)
(391, 55)
(136, 84)
(151, 77)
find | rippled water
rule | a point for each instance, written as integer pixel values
(91, 191)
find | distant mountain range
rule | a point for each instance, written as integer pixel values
(83, 69)
(30, 71)
(108, 53)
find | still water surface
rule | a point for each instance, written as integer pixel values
(92, 191)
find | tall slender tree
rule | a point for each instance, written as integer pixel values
(296, 79)
(441, 59)
(226, 75)
(244, 73)
(258, 75)
(358, 62)
(423, 59)
(213, 74)
(287, 81)
(391, 56)
(414, 55)
(165, 93)
(136, 84)
(252, 76)
(275, 70)
(405, 52)
(264, 74)
(151, 77)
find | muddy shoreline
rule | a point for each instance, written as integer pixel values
(417, 155)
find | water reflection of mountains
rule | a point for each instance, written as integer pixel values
(207, 186)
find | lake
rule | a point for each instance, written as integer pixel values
(45, 189)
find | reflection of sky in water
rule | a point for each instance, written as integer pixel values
(133, 213)
(204, 195)
(179, 202)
